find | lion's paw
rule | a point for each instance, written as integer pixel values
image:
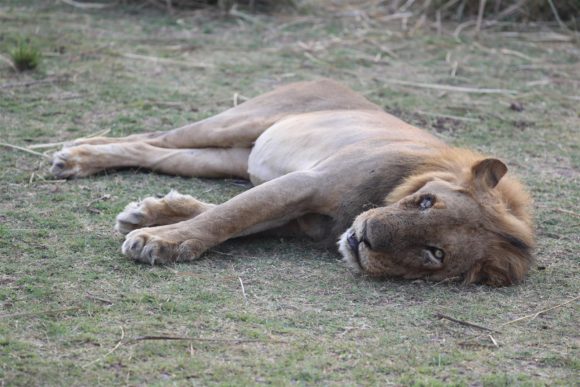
(145, 246)
(72, 162)
(133, 217)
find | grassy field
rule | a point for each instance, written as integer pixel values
(73, 311)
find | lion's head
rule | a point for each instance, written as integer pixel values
(469, 222)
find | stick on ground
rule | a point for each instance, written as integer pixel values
(466, 323)
(460, 89)
(184, 338)
(24, 150)
(111, 351)
(26, 314)
(534, 315)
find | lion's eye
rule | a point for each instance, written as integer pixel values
(426, 201)
(437, 253)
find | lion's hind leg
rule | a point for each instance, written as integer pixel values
(84, 160)
(100, 140)
(152, 211)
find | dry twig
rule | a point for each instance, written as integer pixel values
(466, 323)
(100, 198)
(185, 338)
(479, 16)
(529, 316)
(557, 15)
(33, 83)
(8, 61)
(458, 118)
(55, 144)
(25, 314)
(166, 61)
(568, 212)
(25, 150)
(534, 315)
(77, 4)
(100, 299)
(460, 89)
(243, 290)
(110, 352)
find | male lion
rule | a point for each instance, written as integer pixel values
(328, 164)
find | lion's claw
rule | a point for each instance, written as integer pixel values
(72, 162)
(143, 246)
(133, 217)
(61, 168)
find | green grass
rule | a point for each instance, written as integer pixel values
(67, 295)
(25, 57)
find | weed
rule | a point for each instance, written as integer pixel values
(25, 56)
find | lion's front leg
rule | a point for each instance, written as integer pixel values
(265, 206)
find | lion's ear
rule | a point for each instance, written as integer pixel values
(503, 267)
(488, 172)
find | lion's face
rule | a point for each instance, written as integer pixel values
(440, 231)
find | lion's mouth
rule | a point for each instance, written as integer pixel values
(353, 243)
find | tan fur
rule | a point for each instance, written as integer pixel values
(325, 163)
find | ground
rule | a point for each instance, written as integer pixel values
(74, 311)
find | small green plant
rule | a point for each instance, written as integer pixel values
(25, 57)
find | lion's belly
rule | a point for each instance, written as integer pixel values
(285, 148)
(301, 142)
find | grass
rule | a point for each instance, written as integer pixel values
(25, 57)
(72, 306)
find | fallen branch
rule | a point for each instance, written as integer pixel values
(76, 4)
(8, 61)
(184, 338)
(32, 83)
(25, 314)
(100, 299)
(568, 212)
(460, 89)
(518, 54)
(534, 315)
(54, 144)
(166, 61)
(557, 15)
(44, 181)
(450, 279)
(479, 16)
(244, 16)
(100, 198)
(243, 290)
(24, 150)
(471, 341)
(466, 323)
(457, 118)
(111, 351)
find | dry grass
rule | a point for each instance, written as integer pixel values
(514, 10)
(224, 5)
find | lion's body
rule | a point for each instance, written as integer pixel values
(319, 140)
(320, 156)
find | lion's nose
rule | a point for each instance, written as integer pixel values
(376, 234)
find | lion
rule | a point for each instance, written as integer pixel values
(327, 164)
